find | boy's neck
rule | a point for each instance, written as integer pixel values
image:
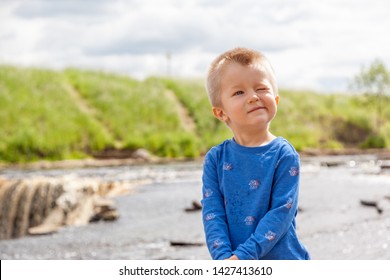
(254, 140)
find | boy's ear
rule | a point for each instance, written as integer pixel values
(219, 114)
(277, 99)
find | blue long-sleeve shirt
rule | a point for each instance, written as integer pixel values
(250, 200)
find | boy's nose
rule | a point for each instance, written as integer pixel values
(253, 97)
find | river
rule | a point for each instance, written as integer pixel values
(332, 223)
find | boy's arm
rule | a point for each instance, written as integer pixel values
(213, 212)
(283, 208)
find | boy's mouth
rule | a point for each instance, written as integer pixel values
(256, 109)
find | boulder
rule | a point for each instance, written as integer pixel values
(42, 205)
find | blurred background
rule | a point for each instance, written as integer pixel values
(105, 120)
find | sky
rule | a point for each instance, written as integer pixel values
(316, 45)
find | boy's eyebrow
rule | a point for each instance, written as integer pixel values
(235, 87)
(265, 82)
(262, 84)
(259, 83)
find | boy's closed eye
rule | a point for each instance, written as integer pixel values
(263, 89)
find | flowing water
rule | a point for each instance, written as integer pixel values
(332, 222)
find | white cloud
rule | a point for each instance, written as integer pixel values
(312, 44)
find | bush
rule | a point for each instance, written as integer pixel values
(374, 141)
(350, 132)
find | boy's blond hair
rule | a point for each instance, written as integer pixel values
(243, 56)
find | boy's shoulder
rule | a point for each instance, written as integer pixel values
(225, 145)
(219, 148)
(287, 147)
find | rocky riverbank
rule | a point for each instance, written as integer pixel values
(41, 205)
(142, 157)
(339, 218)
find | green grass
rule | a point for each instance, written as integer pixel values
(68, 114)
(138, 114)
(192, 95)
(323, 121)
(40, 120)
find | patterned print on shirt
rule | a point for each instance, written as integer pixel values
(249, 220)
(254, 184)
(217, 243)
(227, 166)
(289, 203)
(294, 171)
(208, 193)
(270, 235)
(210, 216)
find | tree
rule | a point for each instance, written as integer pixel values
(375, 81)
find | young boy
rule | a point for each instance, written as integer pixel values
(250, 183)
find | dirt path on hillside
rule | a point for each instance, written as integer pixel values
(88, 110)
(186, 120)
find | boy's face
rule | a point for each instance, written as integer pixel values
(247, 98)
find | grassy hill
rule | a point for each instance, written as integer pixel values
(67, 114)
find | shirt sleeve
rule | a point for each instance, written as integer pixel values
(283, 208)
(213, 212)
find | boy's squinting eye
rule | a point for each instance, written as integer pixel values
(263, 89)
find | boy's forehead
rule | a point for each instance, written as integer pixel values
(259, 67)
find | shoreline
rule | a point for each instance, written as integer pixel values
(379, 154)
(90, 163)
